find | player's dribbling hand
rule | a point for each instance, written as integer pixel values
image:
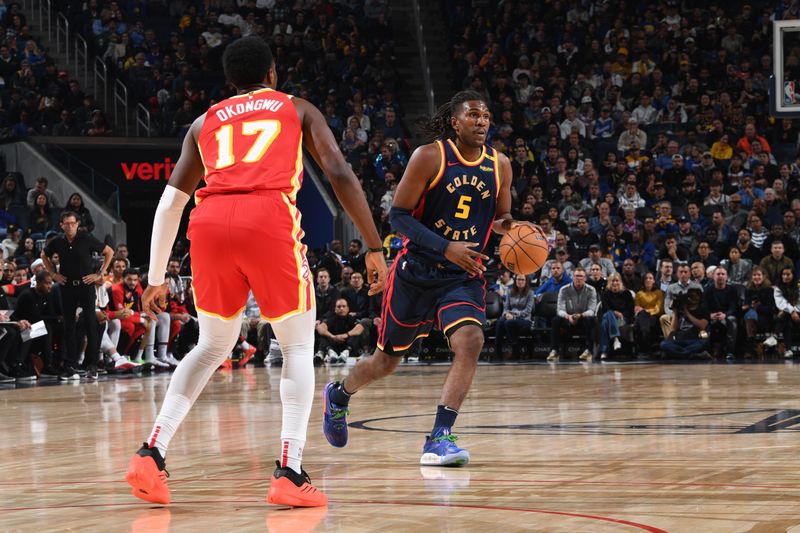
(376, 269)
(518, 223)
(463, 255)
(150, 298)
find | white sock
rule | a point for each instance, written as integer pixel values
(139, 353)
(292, 455)
(296, 337)
(162, 351)
(217, 337)
(245, 345)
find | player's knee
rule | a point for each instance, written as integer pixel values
(386, 363)
(468, 340)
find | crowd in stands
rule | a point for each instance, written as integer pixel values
(36, 97)
(338, 55)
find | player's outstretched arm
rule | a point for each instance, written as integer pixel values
(185, 177)
(503, 219)
(319, 141)
(422, 167)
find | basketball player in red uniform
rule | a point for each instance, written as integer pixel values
(245, 235)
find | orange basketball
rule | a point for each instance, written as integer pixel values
(523, 250)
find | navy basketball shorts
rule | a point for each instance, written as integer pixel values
(419, 296)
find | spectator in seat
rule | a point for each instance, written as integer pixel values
(746, 248)
(648, 306)
(749, 193)
(516, 317)
(12, 194)
(559, 278)
(26, 251)
(722, 302)
(745, 143)
(354, 257)
(596, 278)
(178, 309)
(42, 219)
(738, 268)
(325, 295)
(688, 334)
(705, 255)
(344, 282)
(40, 187)
(85, 221)
(358, 300)
(11, 243)
(560, 257)
(630, 135)
(759, 307)
(698, 274)
(666, 274)
(618, 307)
(575, 312)
(606, 265)
(787, 301)
(630, 278)
(582, 239)
(339, 335)
(775, 262)
(503, 283)
(683, 284)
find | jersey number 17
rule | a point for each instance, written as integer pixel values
(267, 131)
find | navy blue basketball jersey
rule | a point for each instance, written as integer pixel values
(460, 202)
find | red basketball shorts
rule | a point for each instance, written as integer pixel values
(244, 242)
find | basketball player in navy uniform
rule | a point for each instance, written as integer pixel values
(454, 192)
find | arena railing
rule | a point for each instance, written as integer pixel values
(120, 100)
(423, 57)
(143, 120)
(101, 81)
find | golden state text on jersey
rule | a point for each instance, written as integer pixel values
(460, 202)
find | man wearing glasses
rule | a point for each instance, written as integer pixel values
(77, 277)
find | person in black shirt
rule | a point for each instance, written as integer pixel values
(354, 257)
(688, 336)
(722, 302)
(325, 295)
(39, 304)
(76, 278)
(357, 296)
(338, 335)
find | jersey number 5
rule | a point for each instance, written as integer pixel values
(463, 207)
(267, 131)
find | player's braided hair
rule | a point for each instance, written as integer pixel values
(438, 126)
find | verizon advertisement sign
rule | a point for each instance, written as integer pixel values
(146, 171)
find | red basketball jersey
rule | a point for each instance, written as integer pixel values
(252, 142)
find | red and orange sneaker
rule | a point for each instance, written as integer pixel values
(290, 488)
(246, 356)
(227, 364)
(147, 474)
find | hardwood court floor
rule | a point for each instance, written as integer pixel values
(594, 448)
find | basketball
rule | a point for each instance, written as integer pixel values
(523, 250)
